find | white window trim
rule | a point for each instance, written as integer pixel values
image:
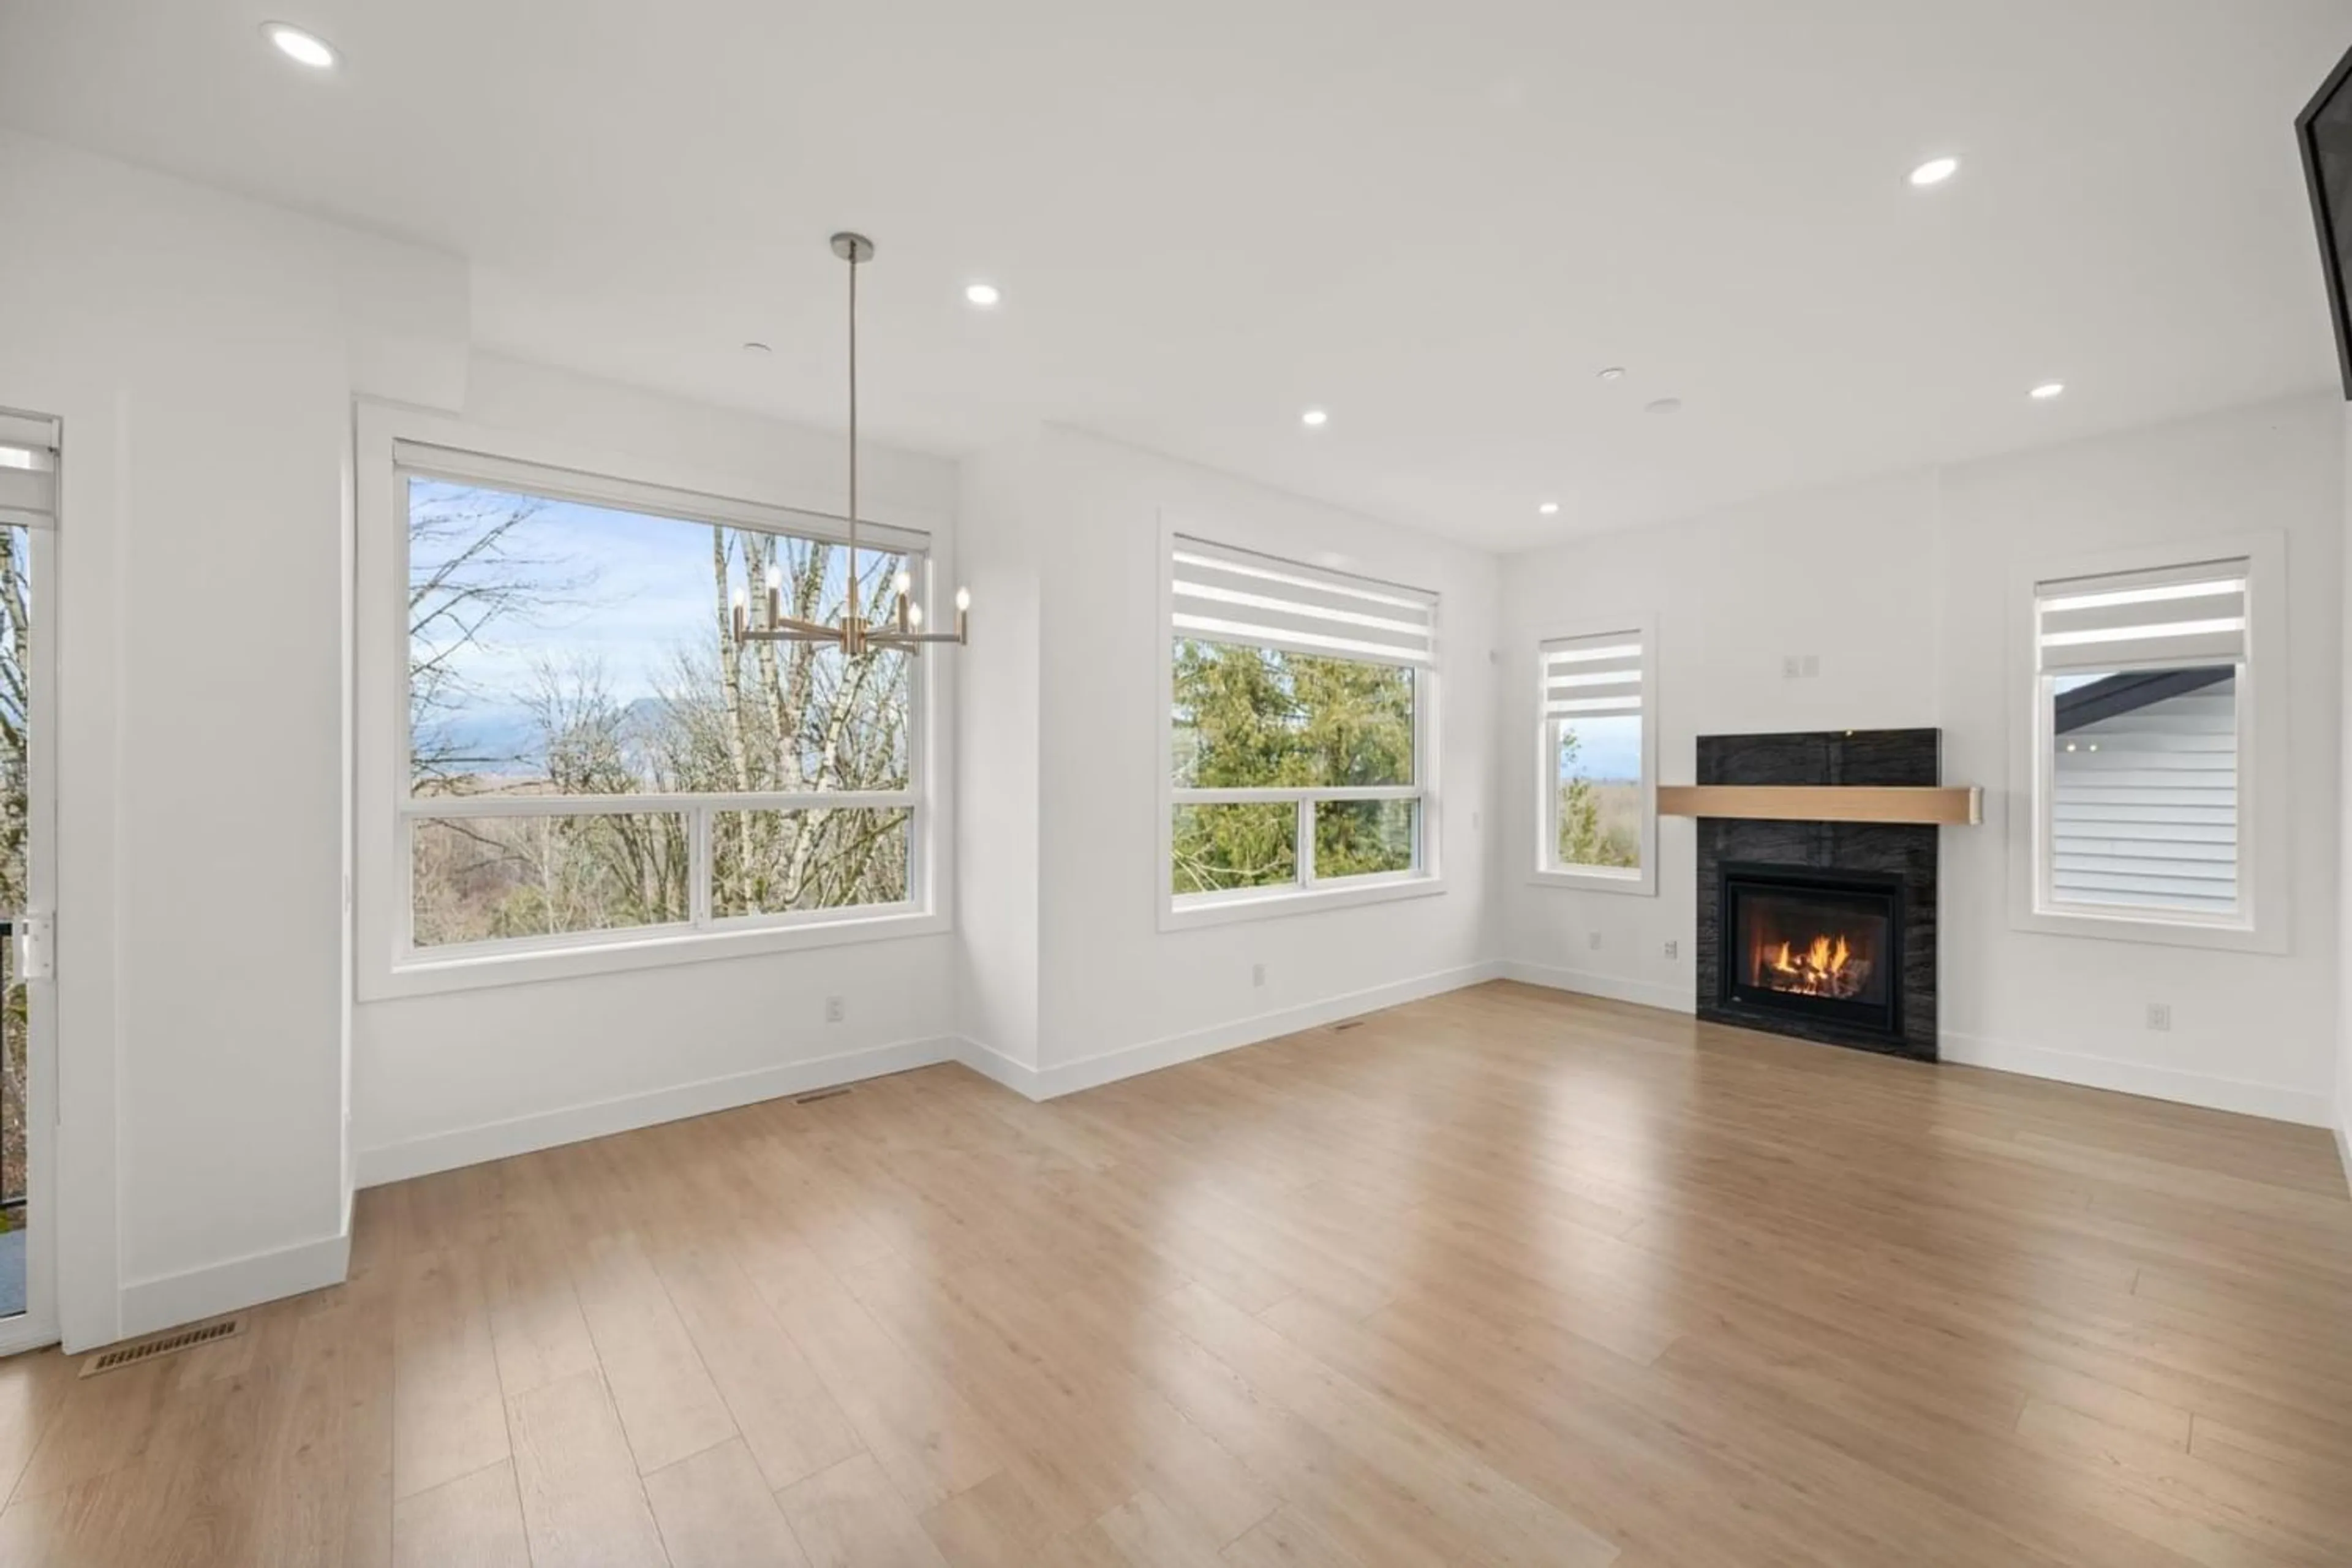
(1189, 911)
(2264, 783)
(386, 964)
(1545, 872)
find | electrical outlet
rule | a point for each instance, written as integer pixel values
(1673, 948)
(2159, 1015)
(835, 1010)
(1593, 940)
(1474, 822)
(1257, 974)
(1812, 665)
(1792, 666)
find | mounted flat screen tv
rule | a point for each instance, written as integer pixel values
(2325, 131)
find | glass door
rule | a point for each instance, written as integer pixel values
(29, 454)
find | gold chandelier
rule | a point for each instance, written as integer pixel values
(854, 635)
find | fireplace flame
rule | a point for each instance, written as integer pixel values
(1825, 966)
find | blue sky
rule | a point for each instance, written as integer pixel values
(643, 589)
(1608, 749)
(640, 590)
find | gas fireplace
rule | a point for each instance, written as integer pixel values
(1820, 928)
(1812, 943)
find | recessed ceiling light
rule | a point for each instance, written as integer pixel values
(1315, 418)
(1549, 508)
(1664, 405)
(981, 293)
(2047, 390)
(1614, 372)
(301, 48)
(1935, 171)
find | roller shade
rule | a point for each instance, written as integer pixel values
(416, 459)
(1222, 595)
(1592, 676)
(28, 470)
(2177, 615)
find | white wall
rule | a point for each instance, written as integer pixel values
(1901, 587)
(468, 1075)
(1117, 994)
(997, 797)
(202, 353)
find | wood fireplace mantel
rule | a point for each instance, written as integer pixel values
(1954, 807)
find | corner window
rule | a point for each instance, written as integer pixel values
(590, 757)
(1596, 825)
(2141, 743)
(1297, 747)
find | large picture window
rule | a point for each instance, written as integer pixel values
(1596, 825)
(2139, 736)
(591, 757)
(1298, 705)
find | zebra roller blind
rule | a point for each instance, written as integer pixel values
(28, 470)
(2180, 615)
(1224, 594)
(1592, 676)
(2142, 674)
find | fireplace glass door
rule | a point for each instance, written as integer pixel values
(1820, 943)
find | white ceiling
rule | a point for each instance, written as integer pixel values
(1437, 220)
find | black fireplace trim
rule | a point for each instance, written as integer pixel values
(1884, 1021)
(1904, 851)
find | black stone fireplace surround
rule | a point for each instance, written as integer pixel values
(1872, 882)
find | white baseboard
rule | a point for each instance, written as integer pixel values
(546, 1130)
(2275, 1101)
(167, 1301)
(1091, 1072)
(1616, 988)
(991, 1063)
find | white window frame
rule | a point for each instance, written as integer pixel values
(1547, 870)
(1183, 912)
(29, 498)
(2264, 822)
(390, 963)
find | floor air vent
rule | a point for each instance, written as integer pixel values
(162, 1344)
(1347, 1024)
(812, 1095)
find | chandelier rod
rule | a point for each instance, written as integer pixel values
(852, 633)
(854, 603)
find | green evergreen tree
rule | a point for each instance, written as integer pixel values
(1254, 718)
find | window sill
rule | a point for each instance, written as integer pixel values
(1642, 883)
(1222, 908)
(425, 976)
(2154, 929)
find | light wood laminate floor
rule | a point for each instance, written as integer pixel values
(1505, 1276)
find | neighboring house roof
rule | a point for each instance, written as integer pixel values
(2117, 694)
